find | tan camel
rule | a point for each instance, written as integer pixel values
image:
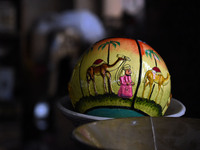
(100, 67)
(152, 77)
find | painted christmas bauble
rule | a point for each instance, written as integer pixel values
(120, 77)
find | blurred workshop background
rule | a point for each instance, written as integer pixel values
(40, 41)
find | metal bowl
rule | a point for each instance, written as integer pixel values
(140, 133)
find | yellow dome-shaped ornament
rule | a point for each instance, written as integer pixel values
(120, 77)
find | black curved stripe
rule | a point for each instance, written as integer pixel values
(80, 75)
(140, 74)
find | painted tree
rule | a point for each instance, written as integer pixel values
(113, 43)
(151, 53)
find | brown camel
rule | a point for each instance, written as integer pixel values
(155, 76)
(100, 67)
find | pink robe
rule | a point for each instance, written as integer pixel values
(125, 90)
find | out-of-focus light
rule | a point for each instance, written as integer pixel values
(41, 110)
(134, 7)
(112, 9)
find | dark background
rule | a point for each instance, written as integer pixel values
(171, 27)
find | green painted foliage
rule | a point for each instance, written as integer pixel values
(147, 106)
(89, 102)
(114, 43)
(150, 52)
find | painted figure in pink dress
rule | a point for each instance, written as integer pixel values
(126, 83)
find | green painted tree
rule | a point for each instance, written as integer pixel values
(113, 43)
(151, 53)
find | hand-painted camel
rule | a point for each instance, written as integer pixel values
(100, 67)
(155, 76)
